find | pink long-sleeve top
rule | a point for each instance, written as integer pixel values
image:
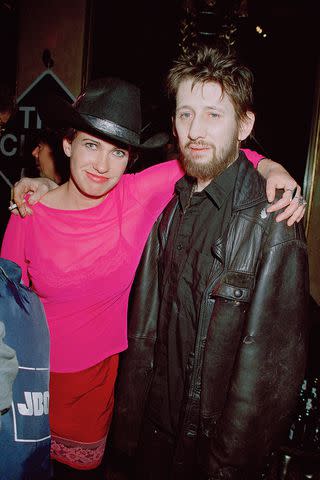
(81, 263)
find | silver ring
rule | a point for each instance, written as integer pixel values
(301, 201)
(12, 206)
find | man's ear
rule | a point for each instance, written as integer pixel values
(246, 126)
(66, 147)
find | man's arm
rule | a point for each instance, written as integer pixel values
(277, 178)
(36, 187)
(269, 365)
(8, 372)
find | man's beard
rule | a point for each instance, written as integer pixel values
(214, 166)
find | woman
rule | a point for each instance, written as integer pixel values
(79, 252)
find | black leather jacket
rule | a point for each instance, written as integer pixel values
(251, 341)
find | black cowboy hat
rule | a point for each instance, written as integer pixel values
(109, 108)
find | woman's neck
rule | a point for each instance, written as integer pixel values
(68, 197)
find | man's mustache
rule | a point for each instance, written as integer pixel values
(198, 144)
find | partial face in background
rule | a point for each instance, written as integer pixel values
(4, 117)
(96, 165)
(45, 162)
(208, 131)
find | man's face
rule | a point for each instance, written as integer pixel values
(207, 129)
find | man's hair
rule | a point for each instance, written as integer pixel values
(214, 65)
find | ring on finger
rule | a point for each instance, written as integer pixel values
(12, 206)
(300, 200)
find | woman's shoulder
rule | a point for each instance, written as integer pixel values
(54, 198)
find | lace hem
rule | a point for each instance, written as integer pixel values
(80, 455)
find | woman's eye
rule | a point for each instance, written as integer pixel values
(91, 146)
(213, 115)
(119, 153)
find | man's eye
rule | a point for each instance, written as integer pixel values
(213, 115)
(184, 115)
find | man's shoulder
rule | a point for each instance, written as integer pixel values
(250, 186)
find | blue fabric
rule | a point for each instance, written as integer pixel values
(25, 433)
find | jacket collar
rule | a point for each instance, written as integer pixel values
(250, 186)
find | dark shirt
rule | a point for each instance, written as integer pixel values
(186, 266)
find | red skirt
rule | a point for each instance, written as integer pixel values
(81, 407)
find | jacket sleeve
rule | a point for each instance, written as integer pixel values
(8, 371)
(269, 364)
(136, 364)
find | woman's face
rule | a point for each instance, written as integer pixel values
(96, 165)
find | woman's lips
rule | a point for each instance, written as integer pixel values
(97, 178)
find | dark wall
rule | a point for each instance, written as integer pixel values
(136, 40)
(284, 64)
(8, 40)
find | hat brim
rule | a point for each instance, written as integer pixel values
(57, 113)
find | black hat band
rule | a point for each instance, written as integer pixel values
(108, 127)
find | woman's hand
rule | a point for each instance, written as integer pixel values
(36, 187)
(277, 177)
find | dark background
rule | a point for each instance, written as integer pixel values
(139, 39)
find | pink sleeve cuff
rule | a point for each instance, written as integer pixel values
(253, 157)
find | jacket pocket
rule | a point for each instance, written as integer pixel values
(235, 286)
(231, 301)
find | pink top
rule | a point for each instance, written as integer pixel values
(82, 263)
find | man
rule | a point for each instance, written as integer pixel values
(217, 331)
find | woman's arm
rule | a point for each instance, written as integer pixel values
(13, 245)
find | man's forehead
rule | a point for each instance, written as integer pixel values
(201, 92)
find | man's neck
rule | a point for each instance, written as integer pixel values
(201, 184)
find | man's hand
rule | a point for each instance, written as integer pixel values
(37, 187)
(278, 178)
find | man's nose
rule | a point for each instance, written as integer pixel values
(197, 129)
(35, 152)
